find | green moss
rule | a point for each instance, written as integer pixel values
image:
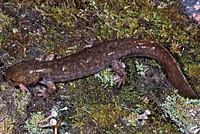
(32, 124)
(105, 76)
(107, 115)
(6, 124)
(194, 71)
(104, 116)
(181, 111)
(21, 102)
(18, 104)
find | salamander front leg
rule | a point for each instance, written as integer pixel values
(47, 92)
(119, 68)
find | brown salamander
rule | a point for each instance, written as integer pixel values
(93, 60)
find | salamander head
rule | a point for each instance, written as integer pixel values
(21, 74)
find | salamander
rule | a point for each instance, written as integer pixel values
(94, 59)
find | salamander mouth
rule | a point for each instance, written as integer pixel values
(12, 82)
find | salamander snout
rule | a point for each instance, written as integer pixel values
(10, 77)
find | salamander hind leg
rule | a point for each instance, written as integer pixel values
(47, 92)
(119, 68)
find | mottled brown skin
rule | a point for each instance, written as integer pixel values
(94, 59)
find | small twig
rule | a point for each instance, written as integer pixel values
(52, 122)
(2, 105)
(126, 108)
(84, 110)
(68, 3)
(56, 126)
(53, 114)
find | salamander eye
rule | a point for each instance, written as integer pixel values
(12, 80)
